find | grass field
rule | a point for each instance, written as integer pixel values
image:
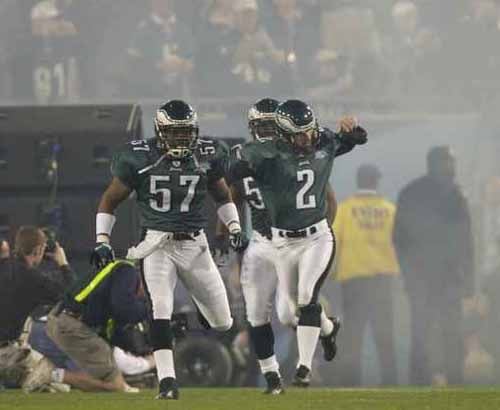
(250, 399)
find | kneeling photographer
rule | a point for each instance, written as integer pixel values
(80, 323)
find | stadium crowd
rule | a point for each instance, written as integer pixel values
(69, 50)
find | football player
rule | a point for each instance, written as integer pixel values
(292, 173)
(258, 273)
(171, 175)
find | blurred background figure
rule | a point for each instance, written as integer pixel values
(348, 60)
(216, 39)
(255, 57)
(55, 43)
(161, 50)
(366, 266)
(434, 243)
(414, 51)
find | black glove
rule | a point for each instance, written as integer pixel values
(358, 135)
(221, 245)
(102, 255)
(238, 241)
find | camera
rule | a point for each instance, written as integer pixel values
(51, 239)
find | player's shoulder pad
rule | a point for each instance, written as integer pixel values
(265, 149)
(326, 136)
(326, 133)
(212, 147)
(138, 153)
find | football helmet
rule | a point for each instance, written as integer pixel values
(296, 124)
(261, 121)
(176, 126)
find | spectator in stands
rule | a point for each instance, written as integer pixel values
(434, 244)
(55, 45)
(366, 268)
(415, 53)
(99, 301)
(478, 24)
(294, 28)
(161, 50)
(349, 61)
(216, 39)
(255, 57)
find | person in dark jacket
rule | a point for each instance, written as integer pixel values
(434, 244)
(80, 324)
(24, 286)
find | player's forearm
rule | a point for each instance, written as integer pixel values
(226, 209)
(111, 199)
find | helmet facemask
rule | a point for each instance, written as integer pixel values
(264, 129)
(177, 137)
(261, 119)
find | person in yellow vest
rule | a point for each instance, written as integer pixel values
(366, 267)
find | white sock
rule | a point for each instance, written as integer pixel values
(57, 375)
(326, 324)
(269, 365)
(307, 339)
(164, 363)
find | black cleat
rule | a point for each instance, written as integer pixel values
(329, 342)
(302, 377)
(274, 384)
(169, 390)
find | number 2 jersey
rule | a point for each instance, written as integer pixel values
(171, 194)
(293, 185)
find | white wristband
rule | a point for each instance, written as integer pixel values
(228, 214)
(103, 226)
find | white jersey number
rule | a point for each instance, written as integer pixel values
(302, 201)
(258, 202)
(162, 201)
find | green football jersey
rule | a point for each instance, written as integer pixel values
(170, 193)
(250, 193)
(294, 185)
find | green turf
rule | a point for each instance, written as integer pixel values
(250, 399)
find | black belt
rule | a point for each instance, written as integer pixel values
(298, 234)
(186, 236)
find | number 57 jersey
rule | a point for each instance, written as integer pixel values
(170, 193)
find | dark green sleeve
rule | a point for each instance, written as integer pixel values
(122, 167)
(220, 163)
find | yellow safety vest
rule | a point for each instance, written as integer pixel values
(363, 228)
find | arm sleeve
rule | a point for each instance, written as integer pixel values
(50, 289)
(219, 165)
(253, 161)
(123, 169)
(342, 143)
(126, 305)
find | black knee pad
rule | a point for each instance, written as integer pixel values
(310, 315)
(161, 334)
(262, 338)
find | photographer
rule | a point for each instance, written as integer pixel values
(82, 324)
(23, 286)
